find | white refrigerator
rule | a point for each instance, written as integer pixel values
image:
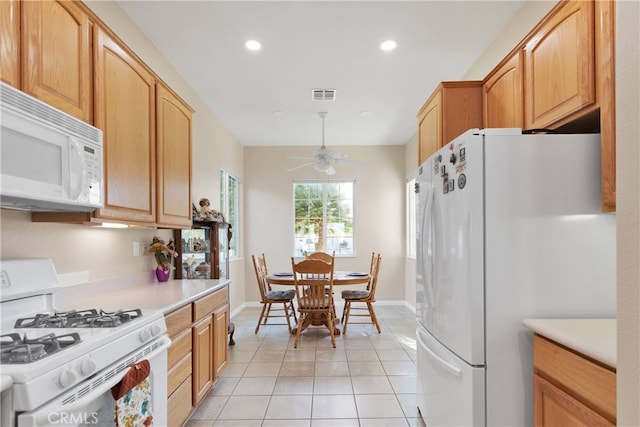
(509, 227)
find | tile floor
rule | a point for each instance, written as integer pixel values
(369, 379)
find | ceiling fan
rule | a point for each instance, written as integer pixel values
(324, 159)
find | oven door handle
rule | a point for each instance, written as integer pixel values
(41, 416)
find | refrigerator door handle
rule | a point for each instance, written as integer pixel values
(448, 366)
(427, 274)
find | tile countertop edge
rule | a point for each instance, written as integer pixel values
(166, 296)
(5, 382)
(595, 338)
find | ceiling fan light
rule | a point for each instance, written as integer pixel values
(322, 166)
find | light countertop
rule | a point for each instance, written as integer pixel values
(595, 338)
(166, 296)
(5, 382)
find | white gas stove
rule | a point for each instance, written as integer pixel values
(67, 361)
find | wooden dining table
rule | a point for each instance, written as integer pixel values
(340, 278)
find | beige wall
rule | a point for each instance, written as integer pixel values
(108, 253)
(628, 207)
(379, 213)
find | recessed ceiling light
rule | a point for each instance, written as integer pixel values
(253, 45)
(388, 45)
(366, 113)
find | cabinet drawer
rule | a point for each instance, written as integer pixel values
(180, 372)
(590, 382)
(179, 404)
(180, 347)
(179, 320)
(207, 304)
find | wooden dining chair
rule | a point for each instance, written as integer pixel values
(315, 305)
(322, 256)
(364, 296)
(268, 297)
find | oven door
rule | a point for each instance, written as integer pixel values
(90, 403)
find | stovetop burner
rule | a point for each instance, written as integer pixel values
(14, 349)
(90, 318)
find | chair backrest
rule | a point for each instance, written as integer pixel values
(260, 267)
(373, 281)
(322, 256)
(311, 278)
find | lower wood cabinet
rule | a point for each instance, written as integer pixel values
(571, 389)
(198, 353)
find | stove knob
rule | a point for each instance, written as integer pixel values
(145, 335)
(66, 378)
(87, 367)
(155, 330)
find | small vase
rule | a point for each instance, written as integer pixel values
(163, 273)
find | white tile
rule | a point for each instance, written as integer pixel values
(293, 385)
(289, 407)
(371, 385)
(403, 384)
(249, 386)
(334, 406)
(263, 369)
(332, 385)
(210, 408)
(245, 408)
(378, 406)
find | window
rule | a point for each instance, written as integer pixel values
(229, 206)
(411, 217)
(323, 217)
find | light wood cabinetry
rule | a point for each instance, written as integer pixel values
(47, 53)
(220, 349)
(61, 53)
(560, 66)
(502, 94)
(202, 358)
(10, 42)
(198, 353)
(125, 111)
(571, 389)
(173, 154)
(56, 57)
(453, 108)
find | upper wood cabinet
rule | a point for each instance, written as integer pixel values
(173, 153)
(10, 42)
(125, 111)
(502, 95)
(453, 108)
(56, 55)
(560, 66)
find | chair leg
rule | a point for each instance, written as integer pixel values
(293, 310)
(298, 331)
(374, 318)
(344, 310)
(331, 330)
(345, 313)
(264, 308)
(286, 315)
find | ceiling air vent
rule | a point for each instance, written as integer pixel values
(323, 94)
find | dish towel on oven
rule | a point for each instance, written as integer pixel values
(133, 397)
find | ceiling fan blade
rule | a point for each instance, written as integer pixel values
(300, 166)
(351, 162)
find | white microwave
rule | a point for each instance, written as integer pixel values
(49, 160)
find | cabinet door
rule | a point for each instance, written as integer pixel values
(125, 111)
(10, 42)
(560, 66)
(202, 359)
(220, 349)
(56, 59)
(429, 129)
(554, 407)
(173, 145)
(502, 95)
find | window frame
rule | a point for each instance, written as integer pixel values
(226, 176)
(325, 183)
